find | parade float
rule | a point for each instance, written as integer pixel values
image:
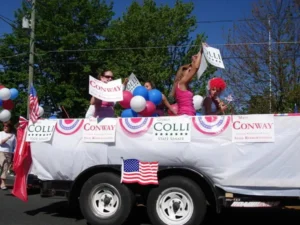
(178, 164)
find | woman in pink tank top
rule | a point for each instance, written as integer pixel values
(181, 91)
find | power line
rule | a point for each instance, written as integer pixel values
(3, 19)
(152, 47)
(8, 19)
(241, 20)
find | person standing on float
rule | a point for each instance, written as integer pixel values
(102, 108)
(181, 91)
(212, 105)
(164, 103)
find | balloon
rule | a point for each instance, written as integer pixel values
(4, 94)
(5, 115)
(138, 103)
(128, 113)
(141, 91)
(52, 117)
(1, 86)
(41, 111)
(149, 109)
(155, 96)
(14, 93)
(198, 114)
(175, 107)
(197, 100)
(1, 103)
(9, 105)
(127, 96)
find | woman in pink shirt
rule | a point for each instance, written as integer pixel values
(181, 91)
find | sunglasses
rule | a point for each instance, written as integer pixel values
(107, 76)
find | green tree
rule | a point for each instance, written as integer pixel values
(152, 42)
(65, 34)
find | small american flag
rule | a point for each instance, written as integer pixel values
(135, 171)
(33, 104)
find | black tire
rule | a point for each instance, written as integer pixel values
(183, 186)
(109, 182)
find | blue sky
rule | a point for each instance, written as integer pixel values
(205, 10)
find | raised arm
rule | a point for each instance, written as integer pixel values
(196, 61)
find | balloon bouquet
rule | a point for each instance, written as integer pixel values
(6, 101)
(197, 101)
(141, 102)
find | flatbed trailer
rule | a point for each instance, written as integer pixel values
(205, 168)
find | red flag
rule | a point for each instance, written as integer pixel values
(22, 161)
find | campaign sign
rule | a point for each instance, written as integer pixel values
(40, 131)
(253, 128)
(109, 92)
(99, 130)
(171, 129)
(213, 56)
(133, 82)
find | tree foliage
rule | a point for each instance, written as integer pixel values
(75, 39)
(263, 64)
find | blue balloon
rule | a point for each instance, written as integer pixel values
(155, 96)
(128, 113)
(1, 102)
(14, 93)
(52, 117)
(198, 114)
(141, 91)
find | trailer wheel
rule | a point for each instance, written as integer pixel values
(176, 201)
(104, 200)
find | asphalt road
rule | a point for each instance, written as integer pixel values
(55, 211)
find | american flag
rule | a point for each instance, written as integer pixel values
(135, 171)
(33, 104)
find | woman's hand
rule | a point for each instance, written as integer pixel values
(126, 81)
(223, 107)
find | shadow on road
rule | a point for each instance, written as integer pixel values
(236, 216)
(57, 209)
(62, 209)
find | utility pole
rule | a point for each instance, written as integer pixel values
(270, 63)
(31, 53)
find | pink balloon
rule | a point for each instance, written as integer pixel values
(149, 110)
(8, 104)
(175, 107)
(127, 96)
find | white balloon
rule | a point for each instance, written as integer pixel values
(5, 115)
(138, 103)
(41, 111)
(5, 94)
(197, 100)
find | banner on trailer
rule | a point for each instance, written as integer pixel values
(253, 128)
(99, 130)
(40, 131)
